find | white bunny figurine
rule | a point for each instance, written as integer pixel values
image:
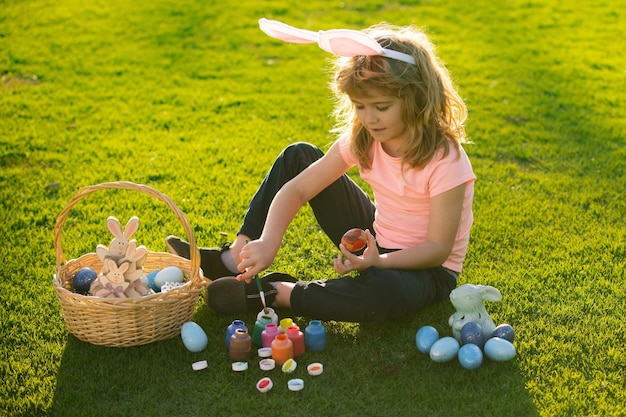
(121, 238)
(468, 301)
(135, 257)
(111, 284)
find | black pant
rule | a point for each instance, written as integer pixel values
(373, 295)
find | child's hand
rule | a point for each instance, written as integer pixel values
(347, 261)
(255, 258)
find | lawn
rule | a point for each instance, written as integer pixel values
(190, 98)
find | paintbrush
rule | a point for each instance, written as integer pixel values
(261, 293)
(259, 286)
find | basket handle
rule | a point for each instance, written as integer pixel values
(194, 253)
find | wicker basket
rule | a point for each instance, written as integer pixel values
(127, 321)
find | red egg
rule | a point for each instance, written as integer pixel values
(354, 240)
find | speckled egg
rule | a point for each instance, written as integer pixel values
(83, 279)
(472, 333)
(499, 350)
(444, 349)
(504, 331)
(425, 337)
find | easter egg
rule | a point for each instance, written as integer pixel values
(168, 274)
(472, 333)
(194, 338)
(504, 331)
(470, 356)
(354, 240)
(149, 280)
(499, 350)
(83, 279)
(425, 337)
(444, 349)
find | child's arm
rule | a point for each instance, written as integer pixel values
(259, 254)
(445, 217)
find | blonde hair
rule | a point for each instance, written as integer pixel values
(433, 111)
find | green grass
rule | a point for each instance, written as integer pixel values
(193, 100)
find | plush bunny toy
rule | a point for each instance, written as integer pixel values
(468, 301)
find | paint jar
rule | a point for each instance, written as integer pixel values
(240, 345)
(268, 312)
(297, 338)
(257, 333)
(282, 349)
(270, 332)
(285, 323)
(315, 336)
(230, 330)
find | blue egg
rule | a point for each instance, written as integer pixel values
(499, 350)
(149, 280)
(194, 338)
(472, 333)
(444, 349)
(470, 356)
(168, 274)
(425, 338)
(504, 331)
(83, 279)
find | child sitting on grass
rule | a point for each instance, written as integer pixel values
(400, 121)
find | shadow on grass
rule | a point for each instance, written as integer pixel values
(369, 369)
(151, 380)
(423, 387)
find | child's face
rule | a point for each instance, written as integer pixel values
(382, 117)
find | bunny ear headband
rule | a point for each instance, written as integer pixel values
(342, 42)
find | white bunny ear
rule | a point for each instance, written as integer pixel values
(346, 42)
(284, 32)
(111, 264)
(490, 293)
(115, 227)
(342, 42)
(140, 253)
(131, 227)
(123, 268)
(130, 249)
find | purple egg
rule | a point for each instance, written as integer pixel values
(504, 331)
(472, 333)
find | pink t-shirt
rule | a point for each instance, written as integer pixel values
(403, 198)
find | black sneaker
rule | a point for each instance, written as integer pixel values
(231, 296)
(210, 258)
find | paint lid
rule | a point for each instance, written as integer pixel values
(240, 366)
(264, 384)
(289, 366)
(265, 352)
(267, 364)
(315, 369)
(295, 384)
(198, 366)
